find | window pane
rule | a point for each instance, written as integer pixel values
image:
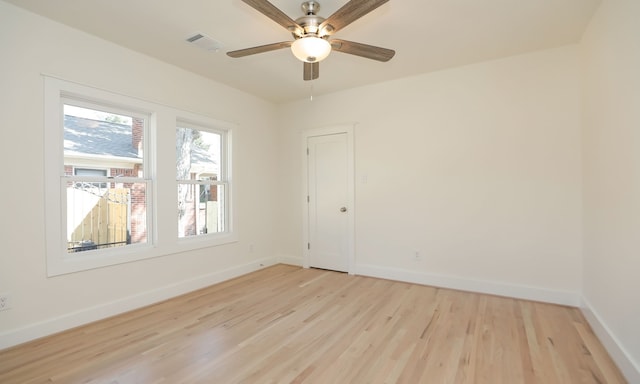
(200, 209)
(197, 154)
(99, 140)
(200, 205)
(105, 217)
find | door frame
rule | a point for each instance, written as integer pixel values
(349, 130)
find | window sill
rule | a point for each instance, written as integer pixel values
(83, 261)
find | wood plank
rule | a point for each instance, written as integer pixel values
(286, 324)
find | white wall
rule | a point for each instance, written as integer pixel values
(478, 168)
(31, 46)
(611, 48)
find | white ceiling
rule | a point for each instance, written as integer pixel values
(428, 35)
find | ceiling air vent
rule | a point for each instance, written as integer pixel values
(205, 42)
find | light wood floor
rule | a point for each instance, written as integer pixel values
(285, 324)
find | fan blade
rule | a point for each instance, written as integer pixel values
(311, 71)
(349, 13)
(275, 14)
(363, 50)
(259, 49)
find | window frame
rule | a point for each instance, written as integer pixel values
(159, 174)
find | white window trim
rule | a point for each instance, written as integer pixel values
(162, 236)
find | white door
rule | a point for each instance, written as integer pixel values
(328, 197)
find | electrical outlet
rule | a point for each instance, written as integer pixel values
(417, 256)
(4, 302)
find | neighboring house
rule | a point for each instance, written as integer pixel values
(101, 148)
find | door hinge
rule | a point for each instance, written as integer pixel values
(308, 245)
(308, 199)
(307, 151)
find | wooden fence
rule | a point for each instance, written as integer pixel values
(105, 224)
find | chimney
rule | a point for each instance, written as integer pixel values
(137, 130)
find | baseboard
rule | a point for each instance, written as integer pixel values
(480, 286)
(290, 260)
(48, 327)
(629, 368)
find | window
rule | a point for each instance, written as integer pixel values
(90, 172)
(98, 155)
(111, 198)
(202, 180)
(102, 211)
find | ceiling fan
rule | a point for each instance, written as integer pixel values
(312, 33)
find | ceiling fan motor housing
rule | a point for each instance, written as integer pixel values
(310, 7)
(310, 22)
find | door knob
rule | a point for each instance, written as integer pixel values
(343, 209)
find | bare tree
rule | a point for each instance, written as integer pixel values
(184, 143)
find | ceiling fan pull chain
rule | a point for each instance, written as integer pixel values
(311, 96)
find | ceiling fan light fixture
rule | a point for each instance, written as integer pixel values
(311, 49)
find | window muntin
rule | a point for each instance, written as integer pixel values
(201, 180)
(106, 195)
